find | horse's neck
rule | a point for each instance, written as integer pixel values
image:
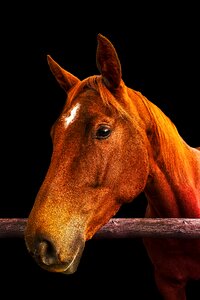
(173, 186)
(167, 198)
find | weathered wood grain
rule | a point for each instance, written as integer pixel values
(122, 228)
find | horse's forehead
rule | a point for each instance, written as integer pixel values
(88, 102)
(88, 98)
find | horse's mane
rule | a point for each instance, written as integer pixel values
(172, 152)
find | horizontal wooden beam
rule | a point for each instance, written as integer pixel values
(148, 227)
(118, 228)
(12, 228)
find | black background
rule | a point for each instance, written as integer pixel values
(159, 52)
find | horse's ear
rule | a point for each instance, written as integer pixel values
(64, 78)
(108, 62)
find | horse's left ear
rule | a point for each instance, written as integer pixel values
(108, 62)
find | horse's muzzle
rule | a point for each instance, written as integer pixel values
(49, 258)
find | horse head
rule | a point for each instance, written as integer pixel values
(99, 161)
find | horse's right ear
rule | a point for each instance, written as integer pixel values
(108, 62)
(65, 79)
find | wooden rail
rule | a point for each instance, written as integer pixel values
(122, 228)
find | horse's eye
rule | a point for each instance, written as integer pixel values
(103, 132)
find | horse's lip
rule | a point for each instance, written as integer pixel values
(70, 269)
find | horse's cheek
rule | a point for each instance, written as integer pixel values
(134, 174)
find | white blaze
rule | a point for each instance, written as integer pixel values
(72, 115)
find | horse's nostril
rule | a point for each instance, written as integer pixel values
(46, 253)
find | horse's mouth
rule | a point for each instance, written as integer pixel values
(73, 265)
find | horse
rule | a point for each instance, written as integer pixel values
(111, 143)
